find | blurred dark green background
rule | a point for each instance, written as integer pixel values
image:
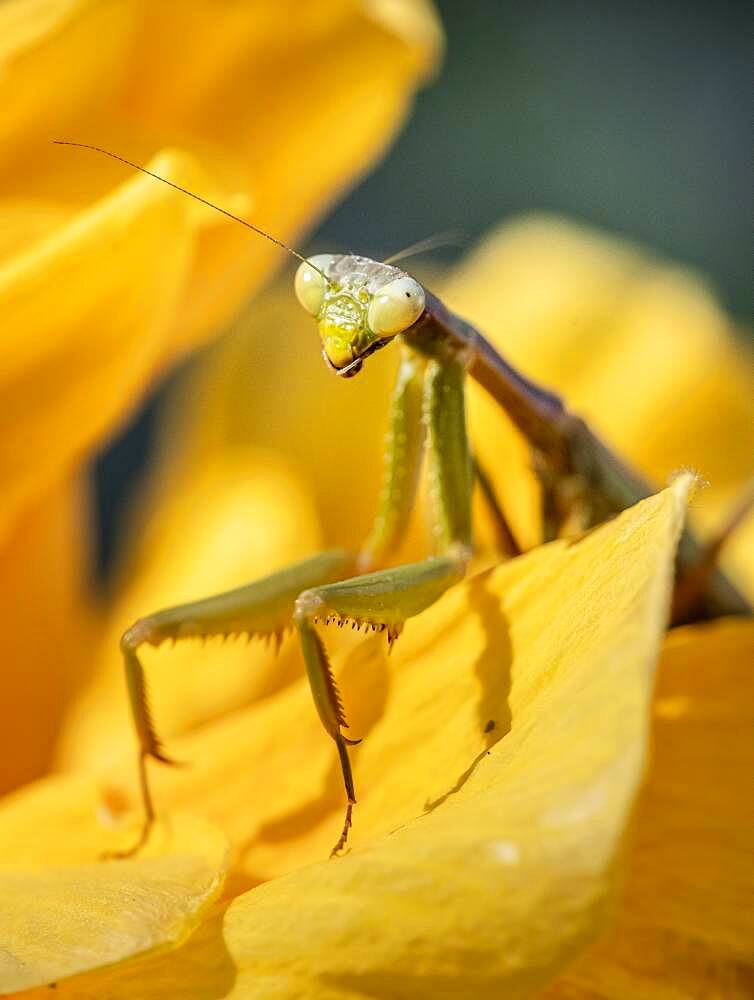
(632, 116)
(635, 117)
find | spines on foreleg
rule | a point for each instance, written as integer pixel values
(149, 742)
(391, 630)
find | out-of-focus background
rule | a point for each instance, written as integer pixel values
(632, 117)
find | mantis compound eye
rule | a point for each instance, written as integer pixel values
(310, 284)
(396, 307)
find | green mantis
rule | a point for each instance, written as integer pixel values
(362, 306)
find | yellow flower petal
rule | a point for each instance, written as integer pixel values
(207, 529)
(81, 327)
(58, 57)
(112, 283)
(486, 869)
(66, 911)
(484, 858)
(686, 924)
(302, 98)
(739, 557)
(48, 628)
(200, 969)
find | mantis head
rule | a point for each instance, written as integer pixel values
(359, 304)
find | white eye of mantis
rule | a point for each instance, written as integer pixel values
(310, 285)
(396, 307)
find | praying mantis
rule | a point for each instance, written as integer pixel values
(361, 306)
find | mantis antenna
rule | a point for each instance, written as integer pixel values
(451, 237)
(196, 197)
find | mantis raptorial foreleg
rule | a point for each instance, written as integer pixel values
(386, 598)
(428, 401)
(263, 609)
(382, 600)
(404, 443)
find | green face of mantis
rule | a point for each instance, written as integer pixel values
(360, 305)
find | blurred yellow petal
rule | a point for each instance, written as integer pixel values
(495, 785)
(640, 348)
(28, 221)
(48, 631)
(236, 517)
(83, 312)
(739, 554)
(693, 403)
(66, 911)
(546, 290)
(58, 57)
(686, 923)
(118, 275)
(304, 60)
(328, 84)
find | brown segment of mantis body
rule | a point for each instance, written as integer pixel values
(577, 472)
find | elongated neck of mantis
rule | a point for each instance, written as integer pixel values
(537, 413)
(566, 443)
